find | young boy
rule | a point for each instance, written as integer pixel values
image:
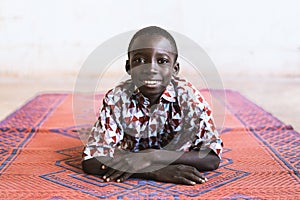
(155, 125)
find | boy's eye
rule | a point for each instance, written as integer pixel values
(163, 61)
(139, 60)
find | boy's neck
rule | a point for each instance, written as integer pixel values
(154, 100)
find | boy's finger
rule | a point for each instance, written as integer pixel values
(124, 177)
(109, 162)
(108, 173)
(197, 173)
(185, 181)
(115, 175)
(193, 177)
(116, 169)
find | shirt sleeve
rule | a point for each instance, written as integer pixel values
(202, 123)
(106, 132)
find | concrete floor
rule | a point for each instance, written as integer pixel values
(277, 95)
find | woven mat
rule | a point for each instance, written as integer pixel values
(40, 154)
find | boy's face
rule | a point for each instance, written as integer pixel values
(152, 63)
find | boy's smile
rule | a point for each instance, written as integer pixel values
(152, 63)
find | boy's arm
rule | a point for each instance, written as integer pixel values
(204, 160)
(180, 174)
(163, 165)
(184, 170)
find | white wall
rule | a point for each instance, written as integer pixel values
(242, 37)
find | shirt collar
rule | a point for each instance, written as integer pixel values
(169, 93)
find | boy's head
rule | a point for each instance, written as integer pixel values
(152, 60)
(153, 31)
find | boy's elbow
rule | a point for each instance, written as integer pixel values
(214, 162)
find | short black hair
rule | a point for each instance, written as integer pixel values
(155, 30)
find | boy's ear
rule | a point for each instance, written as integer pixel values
(127, 67)
(176, 69)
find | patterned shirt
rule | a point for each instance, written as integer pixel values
(181, 121)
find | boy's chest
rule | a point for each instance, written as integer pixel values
(146, 121)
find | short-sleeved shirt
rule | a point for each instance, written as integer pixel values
(180, 121)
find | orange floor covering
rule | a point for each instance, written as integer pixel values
(40, 153)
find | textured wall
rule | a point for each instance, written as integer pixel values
(242, 37)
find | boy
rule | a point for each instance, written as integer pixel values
(155, 125)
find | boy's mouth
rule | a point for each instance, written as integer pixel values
(151, 83)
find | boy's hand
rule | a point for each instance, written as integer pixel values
(144, 165)
(115, 175)
(180, 174)
(126, 164)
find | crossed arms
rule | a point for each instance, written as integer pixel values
(160, 165)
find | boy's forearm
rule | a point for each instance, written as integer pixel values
(205, 160)
(202, 160)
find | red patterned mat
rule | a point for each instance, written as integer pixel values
(40, 154)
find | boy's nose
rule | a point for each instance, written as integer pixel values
(152, 68)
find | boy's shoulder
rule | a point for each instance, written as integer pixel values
(183, 86)
(187, 92)
(180, 82)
